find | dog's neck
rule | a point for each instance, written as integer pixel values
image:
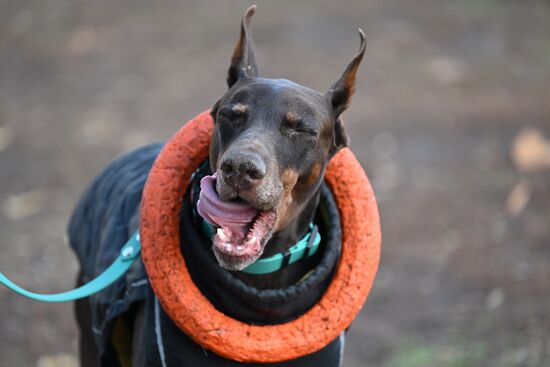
(281, 241)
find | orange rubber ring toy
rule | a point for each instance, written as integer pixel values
(191, 310)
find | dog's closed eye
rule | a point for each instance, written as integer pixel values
(293, 124)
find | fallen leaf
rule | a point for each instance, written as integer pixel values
(24, 205)
(495, 299)
(518, 198)
(57, 360)
(531, 151)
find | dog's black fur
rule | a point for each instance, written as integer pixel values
(272, 141)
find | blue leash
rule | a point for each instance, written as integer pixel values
(129, 253)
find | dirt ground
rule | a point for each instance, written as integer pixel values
(451, 119)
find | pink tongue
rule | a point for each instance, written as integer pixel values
(235, 216)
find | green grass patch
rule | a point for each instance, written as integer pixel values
(419, 354)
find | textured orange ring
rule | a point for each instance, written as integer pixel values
(191, 310)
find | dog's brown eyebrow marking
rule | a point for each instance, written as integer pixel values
(239, 108)
(292, 118)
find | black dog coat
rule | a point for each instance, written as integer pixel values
(108, 213)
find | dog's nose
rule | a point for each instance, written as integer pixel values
(242, 170)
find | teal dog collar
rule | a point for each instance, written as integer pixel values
(304, 248)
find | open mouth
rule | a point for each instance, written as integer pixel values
(242, 230)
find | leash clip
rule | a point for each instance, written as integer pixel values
(131, 249)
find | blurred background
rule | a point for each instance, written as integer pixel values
(451, 120)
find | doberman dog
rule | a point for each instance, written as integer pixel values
(271, 144)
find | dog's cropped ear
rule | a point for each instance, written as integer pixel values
(340, 93)
(243, 61)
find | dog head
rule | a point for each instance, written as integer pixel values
(273, 139)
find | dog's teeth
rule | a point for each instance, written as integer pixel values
(240, 248)
(226, 246)
(221, 233)
(252, 239)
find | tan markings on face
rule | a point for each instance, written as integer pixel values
(313, 174)
(286, 205)
(291, 118)
(240, 108)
